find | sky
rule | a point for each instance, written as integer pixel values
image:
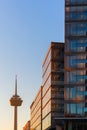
(27, 27)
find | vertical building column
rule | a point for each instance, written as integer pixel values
(70, 125)
(64, 125)
(58, 127)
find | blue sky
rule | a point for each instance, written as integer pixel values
(26, 29)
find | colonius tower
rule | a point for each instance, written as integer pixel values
(15, 101)
(75, 93)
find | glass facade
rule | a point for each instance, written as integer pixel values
(35, 111)
(53, 91)
(49, 102)
(46, 122)
(75, 93)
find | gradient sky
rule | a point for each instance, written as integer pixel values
(26, 29)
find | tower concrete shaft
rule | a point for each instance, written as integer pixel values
(15, 117)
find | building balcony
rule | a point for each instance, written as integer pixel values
(76, 36)
(75, 100)
(71, 52)
(76, 84)
(75, 68)
(59, 58)
(71, 20)
(66, 114)
(76, 3)
(58, 96)
(57, 82)
(60, 70)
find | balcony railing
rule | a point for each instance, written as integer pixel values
(75, 2)
(57, 82)
(75, 100)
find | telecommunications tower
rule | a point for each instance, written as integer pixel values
(15, 101)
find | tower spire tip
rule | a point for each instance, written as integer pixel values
(16, 85)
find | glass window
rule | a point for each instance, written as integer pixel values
(80, 29)
(73, 93)
(79, 1)
(85, 109)
(73, 16)
(73, 1)
(73, 108)
(46, 122)
(46, 109)
(46, 98)
(80, 93)
(73, 44)
(85, 14)
(73, 29)
(68, 111)
(67, 93)
(85, 28)
(46, 85)
(85, 93)
(73, 77)
(79, 108)
(67, 30)
(46, 73)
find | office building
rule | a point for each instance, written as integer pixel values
(53, 87)
(75, 91)
(27, 126)
(49, 101)
(35, 112)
